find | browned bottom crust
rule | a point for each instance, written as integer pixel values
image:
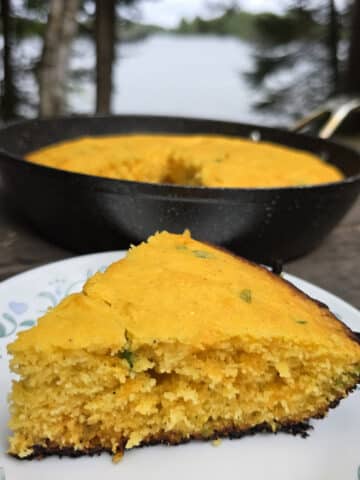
(175, 438)
(166, 438)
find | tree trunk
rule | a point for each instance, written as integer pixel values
(105, 41)
(333, 45)
(353, 67)
(60, 31)
(8, 94)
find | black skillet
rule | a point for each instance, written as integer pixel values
(86, 213)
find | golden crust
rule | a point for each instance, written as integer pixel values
(353, 336)
(209, 287)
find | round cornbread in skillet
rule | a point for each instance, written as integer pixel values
(177, 341)
(198, 160)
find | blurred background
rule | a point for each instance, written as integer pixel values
(268, 61)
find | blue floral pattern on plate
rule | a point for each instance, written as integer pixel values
(13, 318)
(335, 440)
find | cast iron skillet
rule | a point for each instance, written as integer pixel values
(87, 213)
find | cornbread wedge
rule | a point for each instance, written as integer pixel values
(200, 160)
(178, 341)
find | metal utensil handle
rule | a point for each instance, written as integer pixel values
(337, 117)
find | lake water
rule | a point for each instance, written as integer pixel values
(173, 74)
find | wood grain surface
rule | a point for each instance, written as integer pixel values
(335, 265)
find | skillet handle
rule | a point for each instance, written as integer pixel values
(336, 115)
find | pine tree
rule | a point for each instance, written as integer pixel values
(352, 81)
(9, 94)
(296, 66)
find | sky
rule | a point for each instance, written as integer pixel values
(168, 13)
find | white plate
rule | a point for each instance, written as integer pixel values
(332, 452)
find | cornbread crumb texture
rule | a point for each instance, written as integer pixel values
(210, 161)
(179, 340)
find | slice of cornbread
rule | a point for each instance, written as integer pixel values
(178, 341)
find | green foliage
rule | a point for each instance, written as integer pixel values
(267, 28)
(129, 31)
(36, 10)
(297, 23)
(38, 5)
(26, 27)
(266, 65)
(292, 67)
(233, 22)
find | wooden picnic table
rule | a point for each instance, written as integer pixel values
(335, 265)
